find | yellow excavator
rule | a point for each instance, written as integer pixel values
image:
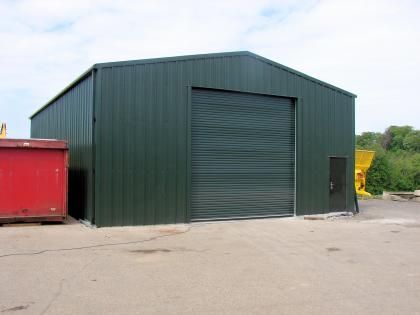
(3, 131)
(363, 161)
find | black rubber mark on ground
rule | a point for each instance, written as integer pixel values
(16, 308)
(395, 231)
(150, 251)
(165, 250)
(103, 245)
(333, 249)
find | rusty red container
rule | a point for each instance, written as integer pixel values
(33, 180)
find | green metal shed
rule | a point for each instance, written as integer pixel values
(202, 137)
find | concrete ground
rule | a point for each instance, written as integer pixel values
(368, 264)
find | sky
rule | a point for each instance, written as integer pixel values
(370, 48)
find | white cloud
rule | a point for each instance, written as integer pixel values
(370, 48)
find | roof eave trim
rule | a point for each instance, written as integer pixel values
(171, 59)
(80, 78)
(301, 74)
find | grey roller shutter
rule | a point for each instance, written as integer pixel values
(242, 155)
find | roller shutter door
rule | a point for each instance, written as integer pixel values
(242, 155)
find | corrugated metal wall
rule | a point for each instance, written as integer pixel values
(141, 169)
(143, 135)
(70, 118)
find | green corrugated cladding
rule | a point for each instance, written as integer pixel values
(142, 134)
(70, 117)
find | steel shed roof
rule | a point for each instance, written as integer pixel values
(183, 58)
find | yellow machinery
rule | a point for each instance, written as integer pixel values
(363, 160)
(3, 130)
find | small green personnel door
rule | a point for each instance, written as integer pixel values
(338, 171)
(242, 155)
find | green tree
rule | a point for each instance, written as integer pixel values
(412, 141)
(416, 170)
(369, 140)
(378, 176)
(396, 166)
(393, 139)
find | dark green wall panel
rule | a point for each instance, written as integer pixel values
(70, 118)
(142, 162)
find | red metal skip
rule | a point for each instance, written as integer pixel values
(33, 180)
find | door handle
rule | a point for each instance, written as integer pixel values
(331, 186)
